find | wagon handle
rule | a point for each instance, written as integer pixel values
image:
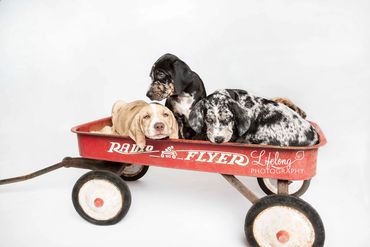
(67, 162)
(32, 175)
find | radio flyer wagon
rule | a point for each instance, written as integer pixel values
(102, 197)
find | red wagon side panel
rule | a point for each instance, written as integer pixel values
(291, 163)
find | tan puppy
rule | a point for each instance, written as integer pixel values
(139, 119)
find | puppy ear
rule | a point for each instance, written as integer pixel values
(136, 133)
(181, 76)
(174, 127)
(117, 109)
(235, 94)
(242, 120)
(151, 74)
(196, 116)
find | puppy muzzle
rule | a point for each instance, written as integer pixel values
(155, 96)
(219, 139)
(160, 91)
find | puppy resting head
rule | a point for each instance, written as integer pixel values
(220, 117)
(153, 121)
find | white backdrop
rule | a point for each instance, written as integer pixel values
(63, 63)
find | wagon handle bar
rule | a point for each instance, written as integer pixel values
(32, 175)
(83, 163)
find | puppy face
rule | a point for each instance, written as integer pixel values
(219, 122)
(168, 77)
(220, 117)
(157, 122)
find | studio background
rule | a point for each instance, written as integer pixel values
(63, 63)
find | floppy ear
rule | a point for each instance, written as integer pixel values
(151, 74)
(181, 76)
(136, 133)
(242, 120)
(196, 116)
(174, 127)
(235, 94)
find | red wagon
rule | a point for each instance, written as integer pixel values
(279, 219)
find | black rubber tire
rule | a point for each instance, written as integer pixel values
(137, 176)
(298, 193)
(289, 201)
(115, 180)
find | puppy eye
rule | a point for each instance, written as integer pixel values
(165, 114)
(225, 120)
(147, 116)
(160, 75)
(209, 120)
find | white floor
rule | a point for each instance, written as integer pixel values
(63, 63)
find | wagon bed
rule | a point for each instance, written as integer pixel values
(287, 163)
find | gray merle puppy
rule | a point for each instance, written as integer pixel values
(235, 115)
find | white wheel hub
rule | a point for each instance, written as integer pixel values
(283, 226)
(100, 199)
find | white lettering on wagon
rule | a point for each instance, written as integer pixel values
(273, 159)
(217, 157)
(127, 148)
(271, 171)
(262, 161)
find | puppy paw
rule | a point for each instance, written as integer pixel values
(141, 147)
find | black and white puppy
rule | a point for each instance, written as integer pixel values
(236, 116)
(173, 80)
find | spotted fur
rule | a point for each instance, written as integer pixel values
(160, 90)
(235, 115)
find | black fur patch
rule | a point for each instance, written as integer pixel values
(294, 142)
(249, 102)
(270, 118)
(310, 134)
(266, 102)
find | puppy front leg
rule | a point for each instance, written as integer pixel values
(180, 123)
(140, 142)
(138, 137)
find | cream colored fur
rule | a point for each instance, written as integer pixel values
(137, 119)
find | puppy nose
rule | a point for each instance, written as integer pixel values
(159, 126)
(149, 94)
(219, 139)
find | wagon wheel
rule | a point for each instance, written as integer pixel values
(133, 172)
(296, 188)
(101, 197)
(278, 220)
